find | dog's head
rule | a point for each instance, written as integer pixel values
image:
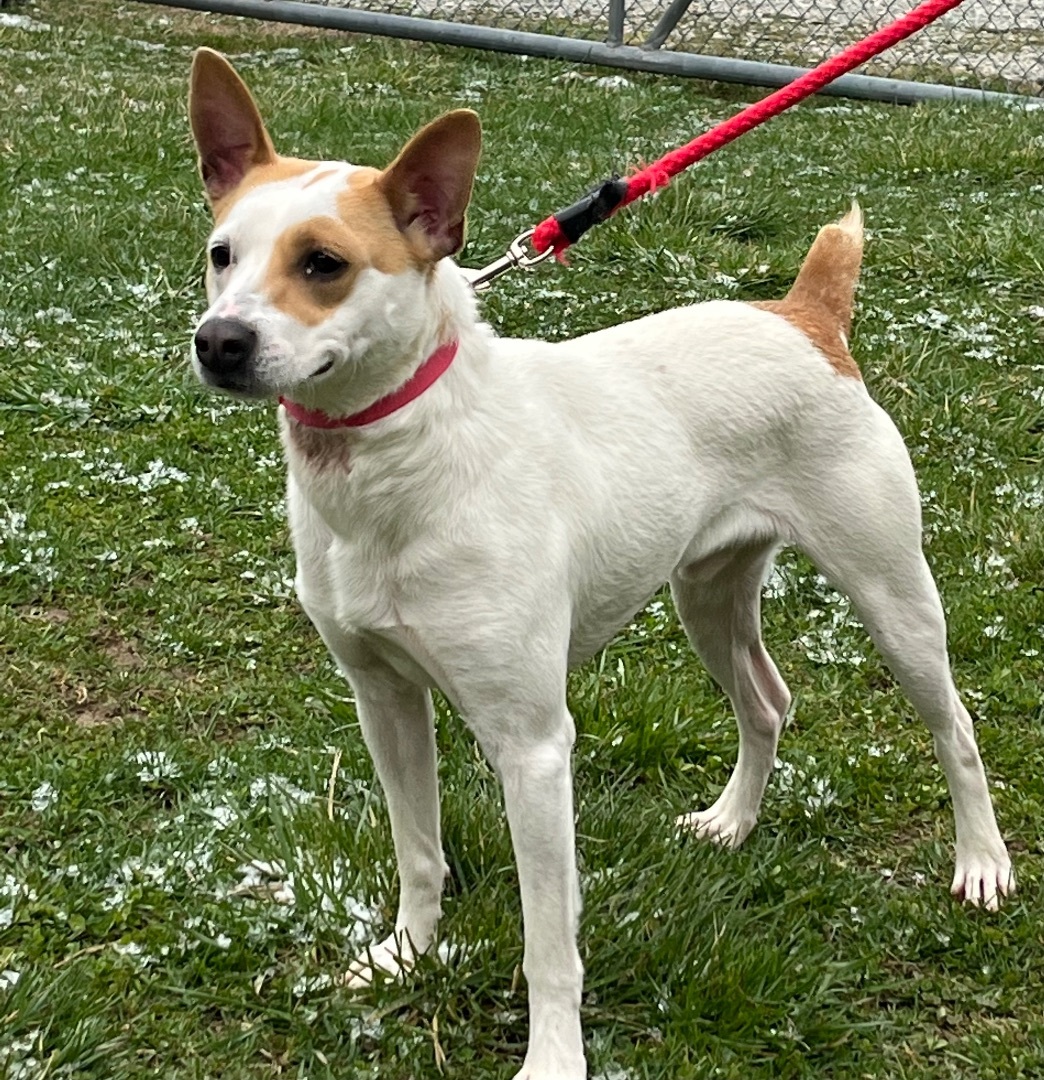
(318, 272)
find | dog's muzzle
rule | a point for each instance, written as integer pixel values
(225, 348)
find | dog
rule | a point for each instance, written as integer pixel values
(478, 514)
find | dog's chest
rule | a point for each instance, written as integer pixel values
(356, 597)
(360, 564)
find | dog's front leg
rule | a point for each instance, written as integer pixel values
(397, 723)
(530, 747)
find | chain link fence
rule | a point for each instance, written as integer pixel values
(985, 44)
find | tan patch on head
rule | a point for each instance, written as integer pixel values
(321, 175)
(820, 328)
(283, 168)
(363, 235)
(365, 209)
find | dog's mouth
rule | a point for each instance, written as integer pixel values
(322, 369)
(244, 388)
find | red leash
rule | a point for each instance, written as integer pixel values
(560, 230)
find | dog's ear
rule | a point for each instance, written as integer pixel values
(429, 184)
(229, 132)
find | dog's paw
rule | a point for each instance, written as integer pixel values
(390, 959)
(722, 823)
(982, 879)
(557, 1074)
(573, 1068)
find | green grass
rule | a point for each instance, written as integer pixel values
(167, 715)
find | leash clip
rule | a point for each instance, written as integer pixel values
(519, 253)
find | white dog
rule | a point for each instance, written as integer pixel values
(477, 514)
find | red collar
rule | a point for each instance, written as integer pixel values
(419, 381)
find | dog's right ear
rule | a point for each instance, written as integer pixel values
(229, 132)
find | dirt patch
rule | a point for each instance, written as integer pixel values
(83, 708)
(55, 616)
(104, 715)
(123, 653)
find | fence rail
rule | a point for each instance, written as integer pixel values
(981, 47)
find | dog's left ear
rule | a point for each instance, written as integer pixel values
(429, 184)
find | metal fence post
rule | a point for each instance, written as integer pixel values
(648, 57)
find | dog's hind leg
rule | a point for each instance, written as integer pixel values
(719, 603)
(862, 528)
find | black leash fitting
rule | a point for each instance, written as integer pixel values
(574, 221)
(593, 208)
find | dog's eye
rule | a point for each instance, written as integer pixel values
(322, 265)
(220, 256)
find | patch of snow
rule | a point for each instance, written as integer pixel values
(46, 795)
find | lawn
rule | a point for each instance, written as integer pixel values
(193, 842)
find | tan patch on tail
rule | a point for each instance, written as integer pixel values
(820, 301)
(820, 329)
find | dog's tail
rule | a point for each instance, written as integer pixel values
(820, 301)
(827, 280)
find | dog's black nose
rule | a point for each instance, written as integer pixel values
(225, 345)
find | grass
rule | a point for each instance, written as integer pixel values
(178, 885)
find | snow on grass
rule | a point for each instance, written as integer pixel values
(814, 792)
(44, 797)
(26, 553)
(11, 21)
(12, 893)
(155, 765)
(17, 1056)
